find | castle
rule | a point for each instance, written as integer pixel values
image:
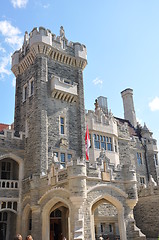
(47, 188)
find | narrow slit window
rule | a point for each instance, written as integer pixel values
(62, 125)
(25, 93)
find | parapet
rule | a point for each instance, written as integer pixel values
(10, 134)
(42, 41)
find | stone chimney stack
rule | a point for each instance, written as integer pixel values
(129, 111)
(102, 101)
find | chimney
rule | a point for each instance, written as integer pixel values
(102, 101)
(129, 111)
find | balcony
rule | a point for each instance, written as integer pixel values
(9, 184)
(63, 89)
(8, 205)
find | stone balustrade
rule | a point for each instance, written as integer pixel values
(8, 205)
(9, 184)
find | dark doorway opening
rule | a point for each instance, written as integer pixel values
(59, 222)
(3, 230)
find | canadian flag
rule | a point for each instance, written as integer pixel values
(87, 143)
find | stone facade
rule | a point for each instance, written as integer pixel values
(46, 185)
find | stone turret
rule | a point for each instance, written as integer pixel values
(129, 110)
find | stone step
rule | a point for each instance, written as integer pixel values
(78, 235)
(135, 233)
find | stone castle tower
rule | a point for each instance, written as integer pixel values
(49, 97)
(46, 185)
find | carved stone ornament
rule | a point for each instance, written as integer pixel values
(63, 142)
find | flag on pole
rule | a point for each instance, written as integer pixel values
(87, 143)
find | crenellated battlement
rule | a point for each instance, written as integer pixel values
(101, 122)
(10, 134)
(42, 41)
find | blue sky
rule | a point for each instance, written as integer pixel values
(122, 40)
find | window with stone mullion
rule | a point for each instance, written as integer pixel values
(6, 170)
(109, 143)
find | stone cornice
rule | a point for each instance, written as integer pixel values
(50, 52)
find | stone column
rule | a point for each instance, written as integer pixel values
(78, 218)
(36, 223)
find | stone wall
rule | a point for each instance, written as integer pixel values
(146, 212)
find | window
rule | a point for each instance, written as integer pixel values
(102, 227)
(24, 92)
(142, 180)
(109, 143)
(62, 159)
(103, 142)
(139, 158)
(69, 156)
(156, 159)
(96, 141)
(67, 81)
(6, 170)
(30, 221)
(9, 205)
(31, 87)
(62, 125)
(3, 216)
(55, 155)
(110, 228)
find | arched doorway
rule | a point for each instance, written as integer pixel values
(105, 220)
(59, 222)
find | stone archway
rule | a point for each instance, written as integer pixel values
(59, 222)
(104, 196)
(50, 220)
(105, 220)
(17, 159)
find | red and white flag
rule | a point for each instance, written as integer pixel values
(87, 143)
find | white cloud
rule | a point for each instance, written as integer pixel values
(7, 29)
(19, 3)
(14, 82)
(14, 41)
(46, 5)
(154, 104)
(4, 62)
(12, 34)
(2, 49)
(97, 81)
